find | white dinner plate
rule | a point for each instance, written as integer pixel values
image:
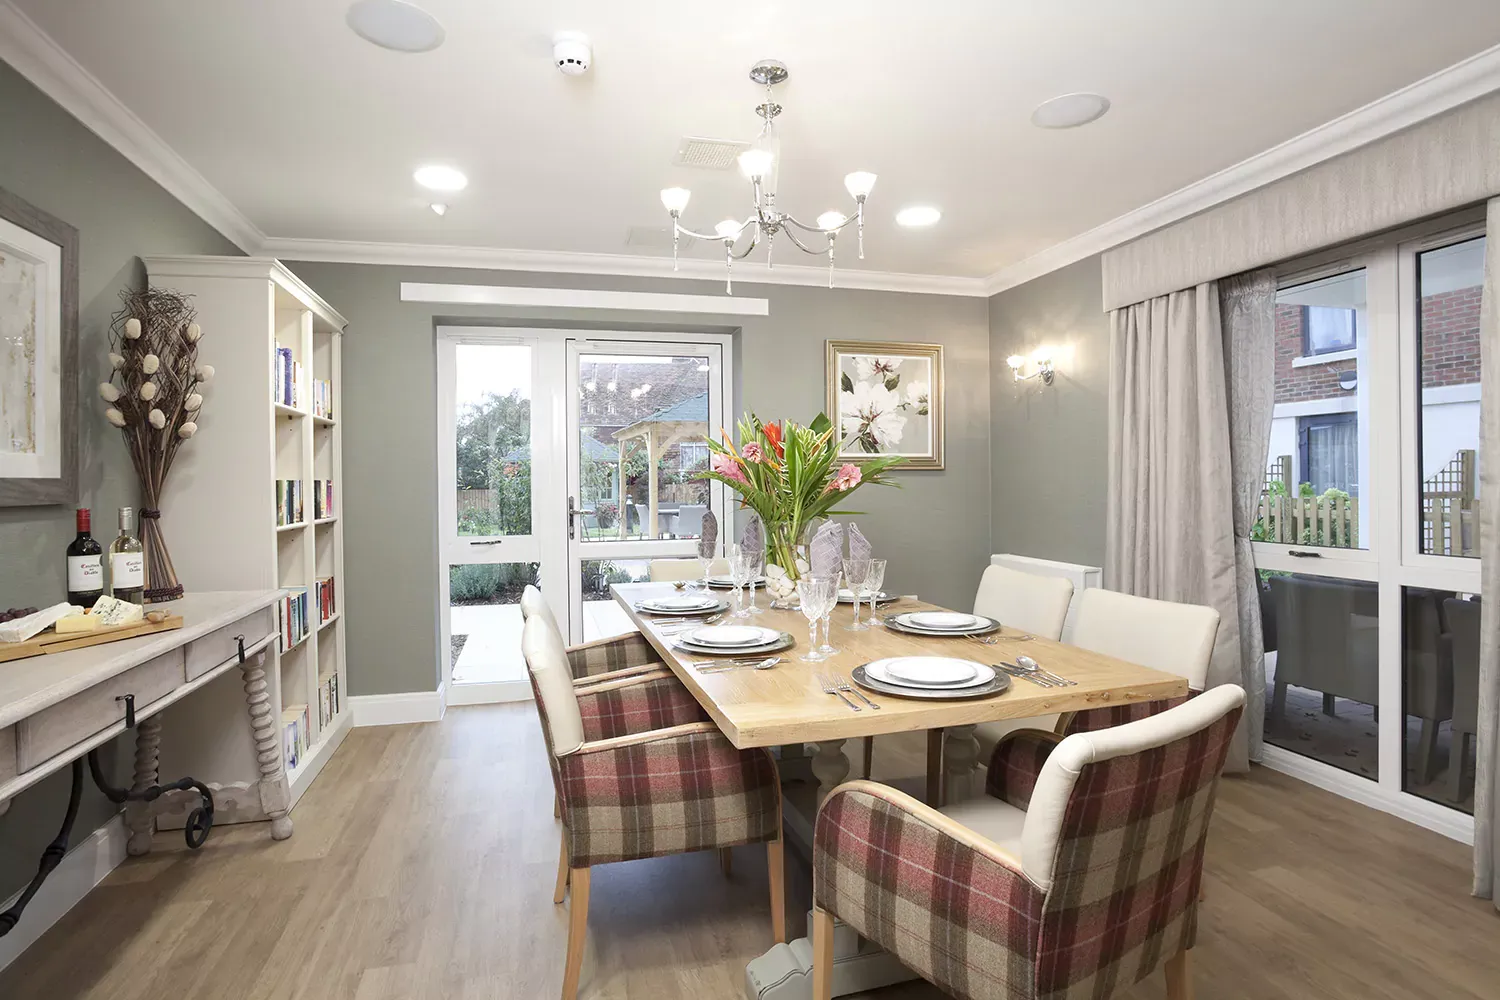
(940, 620)
(725, 582)
(684, 602)
(930, 672)
(846, 596)
(730, 635)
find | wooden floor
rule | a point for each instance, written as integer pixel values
(423, 863)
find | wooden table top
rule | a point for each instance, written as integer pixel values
(786, 704)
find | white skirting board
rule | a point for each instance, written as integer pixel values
(81, 869)
(399, 709)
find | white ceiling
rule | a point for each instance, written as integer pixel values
(313, 133)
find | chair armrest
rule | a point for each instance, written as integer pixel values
(1016, 763)
(612, 675)
(667, 791)
(882, 861)
(615, 653)
(643, 703)
(616, 679)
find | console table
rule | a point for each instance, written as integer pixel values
(57, 707)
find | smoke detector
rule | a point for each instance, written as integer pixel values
(571, 52)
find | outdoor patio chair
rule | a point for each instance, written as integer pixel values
(1076, 892)
(672, 570)
(690, 520)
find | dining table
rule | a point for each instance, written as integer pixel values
(787, 705)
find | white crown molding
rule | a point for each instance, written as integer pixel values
(1444, 90)
(562, 262)
(581, 298)
(259, 268)
(57, 74)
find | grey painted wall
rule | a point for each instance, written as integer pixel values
(1048, 442)
(55, 163)
(935, 529)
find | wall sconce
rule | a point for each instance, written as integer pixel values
(1041, 361)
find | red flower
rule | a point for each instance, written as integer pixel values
(773, 435)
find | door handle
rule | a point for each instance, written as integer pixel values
(489, 541)
(573, 513)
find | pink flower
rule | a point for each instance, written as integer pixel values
(752, 453)
(729, 467)
(847, 479)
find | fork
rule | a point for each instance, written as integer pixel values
(842, 683)
(829, 687)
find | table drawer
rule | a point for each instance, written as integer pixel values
(213, 649)
(53, 730)
(8, 767)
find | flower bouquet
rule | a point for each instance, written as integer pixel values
(790, 475)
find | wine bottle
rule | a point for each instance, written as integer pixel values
(85, 565)
(127, 561)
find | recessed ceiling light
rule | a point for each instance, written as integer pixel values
(1070, 111)
(918, 215)
(440, 178)
(439, 208)
(395, 24)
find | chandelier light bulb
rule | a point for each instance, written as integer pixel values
(675, 199)
(832, 220)
(754, 163)
(439, 208)
(859, 184)
(729, 229)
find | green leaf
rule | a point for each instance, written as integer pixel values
(893, 380)
(846, 383)
(821, 422)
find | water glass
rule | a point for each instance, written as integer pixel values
(855, 571)
(813, 593)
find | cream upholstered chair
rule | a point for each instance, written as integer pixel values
(640, 772)
(591, 659)
(1075, 894)
(673, 570)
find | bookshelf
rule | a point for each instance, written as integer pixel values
(251, 507)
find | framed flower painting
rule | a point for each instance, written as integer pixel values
(887, 399)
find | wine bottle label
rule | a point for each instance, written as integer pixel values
(86, 573)
(127, 570)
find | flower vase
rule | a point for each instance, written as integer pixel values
(786, 560)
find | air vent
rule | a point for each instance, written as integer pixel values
(709, 154)
(655, 237)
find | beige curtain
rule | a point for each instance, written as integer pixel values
(1487, 778)
(1170, 512)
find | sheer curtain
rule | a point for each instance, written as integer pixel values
(1487, 778)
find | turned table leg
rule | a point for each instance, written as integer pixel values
(960, 754)
(140, 818)
(830, 766)
(265, 728)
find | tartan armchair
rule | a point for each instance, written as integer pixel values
(640, 772)
(602, 656)
(1077, 898)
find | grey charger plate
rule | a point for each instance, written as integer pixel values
(784, 641)
(999, 685)
(892, 623)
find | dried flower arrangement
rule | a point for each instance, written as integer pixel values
(154, 396)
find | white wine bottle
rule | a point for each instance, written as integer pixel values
(127, 561)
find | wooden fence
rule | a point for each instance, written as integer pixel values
(1450, 510)
(1294, 520)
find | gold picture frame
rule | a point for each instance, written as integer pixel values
(897, 389)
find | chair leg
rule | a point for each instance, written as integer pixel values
(822, 954)
(561, 891)
(1179, 977)
(578, 919)
(1328, 705)
(1426, 750)
(726, 861)
(869, 754)
(776, 871)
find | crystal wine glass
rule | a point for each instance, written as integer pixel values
(825, 613)
(755, 567)
(707, 563)
(855, 571)
(874, 578)
(738, 574)
(814, 592)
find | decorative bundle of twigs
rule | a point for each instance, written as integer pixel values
(154, 397)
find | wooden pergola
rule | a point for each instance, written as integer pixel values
(683, 421)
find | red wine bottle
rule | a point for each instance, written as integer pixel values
(85, 565)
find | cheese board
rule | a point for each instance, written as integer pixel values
(54, 642)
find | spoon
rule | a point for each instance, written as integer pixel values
(1029, 665)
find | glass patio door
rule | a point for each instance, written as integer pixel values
(639, 414)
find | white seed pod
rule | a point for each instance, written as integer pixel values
(148, 391)
(205, 373)
(192, 403)
(116, 360)
(133, 329)
(187, 430)
(150, 363)
(194, 331)
(115, 417)
(158, 419)
(108, 393)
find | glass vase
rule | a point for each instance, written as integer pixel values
(786, 559)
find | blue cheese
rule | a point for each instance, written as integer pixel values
(112, 612)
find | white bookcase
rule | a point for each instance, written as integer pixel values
(220, 512)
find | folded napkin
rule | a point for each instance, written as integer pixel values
(709, 536)
(753, 538)
(827, 549)
(859, 547)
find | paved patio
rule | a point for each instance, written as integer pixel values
(492, 648)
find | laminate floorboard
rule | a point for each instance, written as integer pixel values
(423, 861)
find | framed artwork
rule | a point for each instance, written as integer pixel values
(887, 399)
(38, 356)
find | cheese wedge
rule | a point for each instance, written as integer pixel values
(112, 612)
(78, 623)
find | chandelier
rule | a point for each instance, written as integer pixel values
(760, 165)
